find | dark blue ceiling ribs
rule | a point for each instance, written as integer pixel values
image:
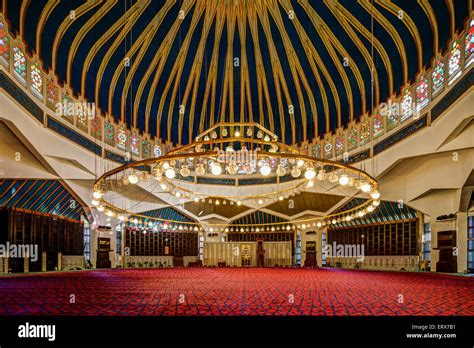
(385, 212)
(194, 63)
(258, 217)
(168, 213)
(42, 196)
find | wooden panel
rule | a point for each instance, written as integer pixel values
(389, 239)
(161, 243)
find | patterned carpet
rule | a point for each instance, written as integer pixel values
(236, 291)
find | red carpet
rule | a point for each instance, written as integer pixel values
(226, 291)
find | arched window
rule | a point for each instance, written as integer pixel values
(36, 79)
(121, 137)
(421, 93)
(469, 43)
(96, 127)
(437, 77)
(339, 141)
(19, 64)
(317, 150)
(157, 152)
(109, 133)
(52, 93)
(328, 149)
(407, 105)
(134, 143)
(146, 148)
(454, 62)
(352, 138)
(378, 124)
(4, 45)
(364, 131)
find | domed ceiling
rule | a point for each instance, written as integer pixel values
(173, 68)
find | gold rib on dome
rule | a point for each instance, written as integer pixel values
(24, 8)
(348, 21)
(426, 6)
(65, 25)
(395, 10)
(83, 32)
(127, 21)
(45, 13)
(280, 63)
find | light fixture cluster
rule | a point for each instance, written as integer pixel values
(230, 154)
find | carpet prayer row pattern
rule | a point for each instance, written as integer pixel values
(236, 291)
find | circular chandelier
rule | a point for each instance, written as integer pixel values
(234, 164)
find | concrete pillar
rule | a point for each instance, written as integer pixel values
(26, 264)
(461, 241)
(5, 264)
(60, 261)
(44, 263)
(319, 247)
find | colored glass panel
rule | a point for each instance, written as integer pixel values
(52, 93)
(19, 62)
(438, 75)
(422, 93)
(454, 61)
(407, 105)
(121, 137)
(4, 43)
(134, 143)
(36, 78)
(157, 152)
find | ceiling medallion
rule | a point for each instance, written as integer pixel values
(241, 163)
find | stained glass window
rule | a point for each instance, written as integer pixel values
(352, 138)
(36, 78)
(438, 76)
(317, 150)
(66, 109)
(339, 141)
(19, 62)
(378, 124)
(454, 62)
(81, 119)
(109, 133)
(121, 137)
(469, 50)
(421, 93)
(157, 152)
(407, 105)
(146, 149)
(134, 143)
(328, 149)
(52, 93)
(392, 115)
(364, 131)
(4, 44)
(96, 127)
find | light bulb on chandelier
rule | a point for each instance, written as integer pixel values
(216, 169)
(133, 178)
(170, 173)
(265, 170)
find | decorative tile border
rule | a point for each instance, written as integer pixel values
(115, 157)
(401, 134)
(73, 136)
(256, 181)
(21, 97)
(450, 97)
